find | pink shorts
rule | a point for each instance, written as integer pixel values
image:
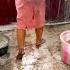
(30, 15)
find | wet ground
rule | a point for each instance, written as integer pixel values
(47, 57)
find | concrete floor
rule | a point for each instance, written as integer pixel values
(47, 57)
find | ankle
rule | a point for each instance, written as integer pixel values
(21, 50)
(38, 42)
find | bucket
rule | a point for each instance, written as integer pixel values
(4, 43)
(65, 43)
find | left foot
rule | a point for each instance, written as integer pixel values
(39, 44)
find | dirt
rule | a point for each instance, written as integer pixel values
(68, 41)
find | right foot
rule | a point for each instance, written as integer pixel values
(20, 54)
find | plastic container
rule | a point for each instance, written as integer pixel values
(4, 43)
(65, 43)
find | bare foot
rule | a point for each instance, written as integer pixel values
(20, 54)
(40, 43)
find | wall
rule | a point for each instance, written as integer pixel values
(7, 11)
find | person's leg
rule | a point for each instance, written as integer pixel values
(21, 42)
(39, 20)
(39, 32)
